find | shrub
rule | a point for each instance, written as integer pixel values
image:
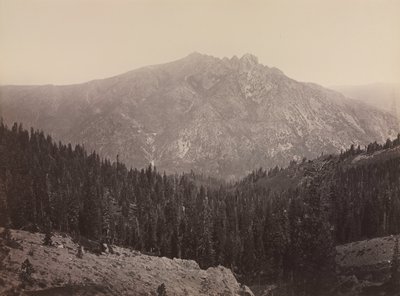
(47, 241)
(161, 291)
(26, 271)
(6, 234)
(79, 254)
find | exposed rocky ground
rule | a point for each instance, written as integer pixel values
(58, 271)
(364, 266)
(363, 269)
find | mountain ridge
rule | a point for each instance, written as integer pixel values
(384, 96)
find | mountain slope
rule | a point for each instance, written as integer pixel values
(222, 117)
(379, 95)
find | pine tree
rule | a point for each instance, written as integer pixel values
(161, 290)
(79, 253)
(26, 271)
(313, 244)
(205, 247)
(6, 234)
(47, 241)
(395, 267)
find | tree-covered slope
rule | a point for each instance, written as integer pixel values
(277, 225)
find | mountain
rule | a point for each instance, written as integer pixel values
(379, 95)
(222, 117)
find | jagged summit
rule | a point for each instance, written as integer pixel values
(249, 59)
(196, 54)
(222, 117)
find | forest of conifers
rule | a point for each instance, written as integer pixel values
(278, 225)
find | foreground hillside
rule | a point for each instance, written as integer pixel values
(222, 117)
(58, 271)
(363, 268)
(366, 267)
(368, 260)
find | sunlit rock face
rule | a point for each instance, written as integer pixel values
(221, 117)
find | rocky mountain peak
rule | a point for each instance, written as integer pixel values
(195, 54)
(249, 59)
(248, 62)
(245, 63)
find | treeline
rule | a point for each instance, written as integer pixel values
(260, 229)
(366, 192)
(360, 188)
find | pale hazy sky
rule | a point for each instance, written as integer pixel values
(325, 41)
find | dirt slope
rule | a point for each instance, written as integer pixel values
(58, 271)
(365, 265)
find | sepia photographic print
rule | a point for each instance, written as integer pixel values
(200, 147)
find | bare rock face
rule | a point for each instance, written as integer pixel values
(58, 271)
(221, 117)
